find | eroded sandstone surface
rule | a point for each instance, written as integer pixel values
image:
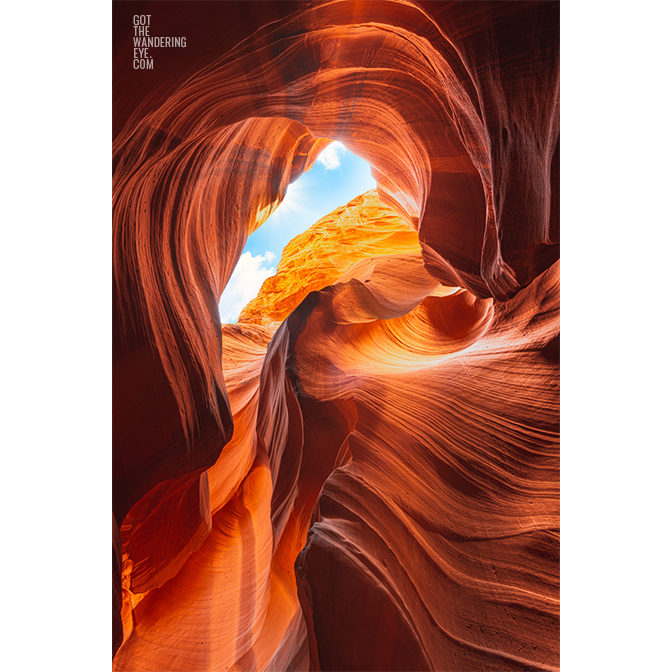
(363, 474)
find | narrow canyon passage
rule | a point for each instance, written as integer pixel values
(362, 473)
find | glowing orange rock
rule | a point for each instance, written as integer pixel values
(372, 484)
(363, 228)
(387, 363)
(440, 539)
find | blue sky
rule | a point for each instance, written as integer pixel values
(336, 178)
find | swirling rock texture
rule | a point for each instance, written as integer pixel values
(363, 474)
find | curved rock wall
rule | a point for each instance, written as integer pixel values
(364, 473)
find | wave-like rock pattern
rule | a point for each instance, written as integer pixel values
(446, 520)
(364, 476)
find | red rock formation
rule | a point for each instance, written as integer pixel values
(374, 485)
(446, 520)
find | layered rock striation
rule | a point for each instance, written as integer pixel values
(363, 474)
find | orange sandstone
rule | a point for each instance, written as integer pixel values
(365, 474)
(363, 228)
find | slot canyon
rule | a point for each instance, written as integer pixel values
(363, 473)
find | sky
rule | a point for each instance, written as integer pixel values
(336, 178)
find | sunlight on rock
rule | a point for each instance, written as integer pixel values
(363, 473)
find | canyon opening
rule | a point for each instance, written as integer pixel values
(337, 177)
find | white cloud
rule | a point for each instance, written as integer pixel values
(329, 157)
(244, 284)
